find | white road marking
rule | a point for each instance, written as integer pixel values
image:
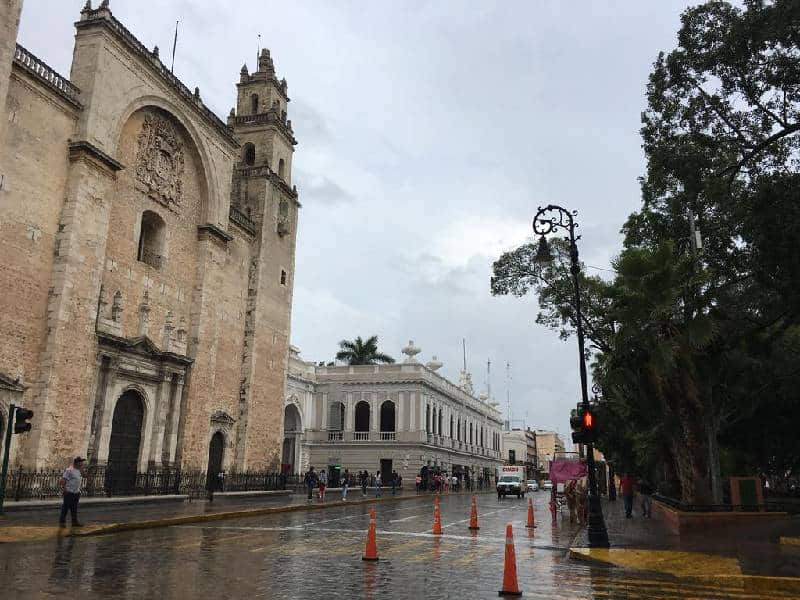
(405, 519)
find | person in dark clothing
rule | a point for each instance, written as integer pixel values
(70, 484)
(626, 491)
(311, 482)
(646, 491)
(364, 482)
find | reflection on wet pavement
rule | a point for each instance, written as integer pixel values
(317, 554)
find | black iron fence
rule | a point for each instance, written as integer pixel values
(101, 481)
(768, 506)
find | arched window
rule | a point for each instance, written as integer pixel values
(249, 154)
(281, 167)
(470, 433)
(336, 416)
(481, 437)
(151, 240)
(451, 426)
(441, 420)
(254, 104)
(362, 416)
(458, 429)
(387, 416)
(427, 418)
(433, 421)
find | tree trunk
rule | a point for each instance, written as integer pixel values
(690, 449)
(713, 462)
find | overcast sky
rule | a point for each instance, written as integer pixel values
(428, 133)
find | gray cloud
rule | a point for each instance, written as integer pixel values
(428, 133)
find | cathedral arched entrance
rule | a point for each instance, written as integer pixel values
(125, 443)
(292, 430)
(216, 452)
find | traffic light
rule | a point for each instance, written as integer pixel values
(22, 416)
(583, 425)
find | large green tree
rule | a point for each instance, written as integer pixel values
(361, 352)
(691, 345)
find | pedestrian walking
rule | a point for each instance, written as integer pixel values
(364, 482)
(394, 482)
(311, 482)
(418, 483)
(626, 491)
(345, 484)
(70, 484)
(646, 491)
(377, 484)
(323, 481)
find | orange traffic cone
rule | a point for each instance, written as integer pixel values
(510, 585)
(371, 549)
(437, 519)
(473, 515)
(531, 523)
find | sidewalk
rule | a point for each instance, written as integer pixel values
(36, 524)
(645, 544)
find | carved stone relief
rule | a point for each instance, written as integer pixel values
(160, 161)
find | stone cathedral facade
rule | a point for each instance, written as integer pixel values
(146, 258)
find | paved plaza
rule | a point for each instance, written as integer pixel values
(317, 554)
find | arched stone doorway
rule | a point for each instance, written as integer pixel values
(292, 430)
(362, 415)
(387, 416)
(216, 452)
(125, 443)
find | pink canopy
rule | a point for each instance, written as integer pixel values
(566, 470)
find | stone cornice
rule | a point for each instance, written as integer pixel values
(143, 346)
(215, 232)
(102, 17)
(82, 148)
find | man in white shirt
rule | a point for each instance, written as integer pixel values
(70, 485)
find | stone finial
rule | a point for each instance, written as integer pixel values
(265, 64)
(155, 51)
(166, 337)
(87, 7)
(197, 93)
(182, 330)
(103, 5)
(116, 307)
(232, 114)
(144, 314)
(411, 351)
(434, 364)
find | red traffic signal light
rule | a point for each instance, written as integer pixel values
(588, 420)
(21, 418)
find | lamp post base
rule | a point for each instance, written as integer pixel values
(598, 535)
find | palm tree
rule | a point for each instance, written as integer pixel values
(360, 352)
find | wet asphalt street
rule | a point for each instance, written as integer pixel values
(317, 554)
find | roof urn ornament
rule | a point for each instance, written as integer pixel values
(411, 352)
(434, 364)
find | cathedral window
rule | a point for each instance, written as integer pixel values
(283, 277)
(281, 168)
(249, 154)
(254, 104)
(151, 240)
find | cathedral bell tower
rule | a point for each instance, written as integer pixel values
(264, 206)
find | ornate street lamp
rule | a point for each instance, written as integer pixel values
(551, 219)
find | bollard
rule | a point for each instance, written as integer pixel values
(437, 519)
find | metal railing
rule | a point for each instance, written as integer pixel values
(102, 481)
(680, 506)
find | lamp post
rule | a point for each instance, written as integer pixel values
(551, 219)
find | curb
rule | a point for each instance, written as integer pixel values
(220, 516)
(789, 541)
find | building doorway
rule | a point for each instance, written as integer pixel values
(124, 446)
(292, 429)
(216, 450)
(386, 471)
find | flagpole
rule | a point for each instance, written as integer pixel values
(174, 45)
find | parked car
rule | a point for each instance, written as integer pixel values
(532, 485)
(547, 485)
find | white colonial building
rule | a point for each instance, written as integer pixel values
(397, 417)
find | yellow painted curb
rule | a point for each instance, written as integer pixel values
(694, 567)
(790, 541)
